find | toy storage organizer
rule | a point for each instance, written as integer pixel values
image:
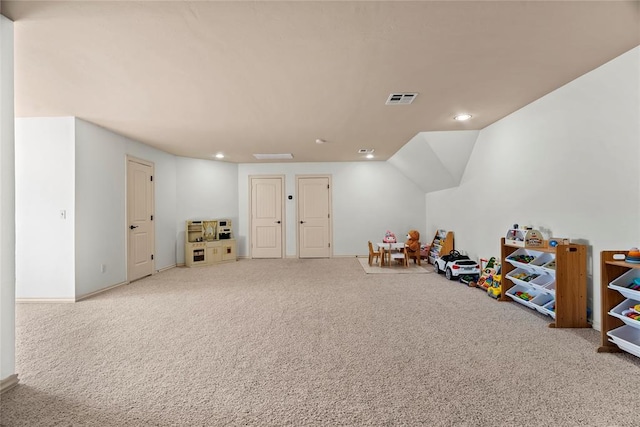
(619, 294)
(441, 245)
(552, 281)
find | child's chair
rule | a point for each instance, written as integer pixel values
(373, 254)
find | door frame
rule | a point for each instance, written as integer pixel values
(328, 176)
(282, 207)
(129, 158)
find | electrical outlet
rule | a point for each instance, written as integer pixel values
(103, 268)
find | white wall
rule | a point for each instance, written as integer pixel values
(568, 163)
(63, 163)
(367, 199)
(100, 188)
(206, 189)
(44, 187)
(435, 160)
(7, 198)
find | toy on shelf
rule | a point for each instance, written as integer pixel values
(525, 237)
(633, 256)
(524, 295)
(522, 259)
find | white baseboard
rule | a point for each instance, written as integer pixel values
(44, 300)
(8, 383)
(166, 268)
(99, 291)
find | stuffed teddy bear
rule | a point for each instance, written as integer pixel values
(389, 237)
(413, 240)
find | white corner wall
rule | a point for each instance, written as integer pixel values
(64, 164)
(205, 189)
(368, 198)
(435, 160)
(44, 161)
(566, 164)
(100, 194)
(7, 203)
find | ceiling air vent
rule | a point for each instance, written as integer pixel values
(280, 156)
(401, 98)
(366, 151)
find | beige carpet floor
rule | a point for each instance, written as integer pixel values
(309, 343)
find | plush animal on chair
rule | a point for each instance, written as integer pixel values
(413, 245)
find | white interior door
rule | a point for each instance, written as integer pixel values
(140, 230)
(314, 217)
(266, 217)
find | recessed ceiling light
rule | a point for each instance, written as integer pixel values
(462, 117)
(369, 156)
(219, 156)
(273, 156)
(320, 141)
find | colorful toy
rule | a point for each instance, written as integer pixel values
(524, 295)
(633, 256)
(491, 267)
(523, 259)
(495, 288)
(635, 285)
(469, 279)
(389, 237)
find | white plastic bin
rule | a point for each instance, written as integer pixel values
(551, 287)
(511, 293)
(522, 252)
(540, 283)
(623, 306)
(621, 284)
(541, 260)
(627, 338)
(522, 277)
(550, 267)
(539, 302)
(550, 308)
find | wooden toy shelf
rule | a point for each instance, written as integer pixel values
(570, 281)
(441, 244)
(615, 275)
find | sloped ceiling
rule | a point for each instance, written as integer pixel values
(436, 160)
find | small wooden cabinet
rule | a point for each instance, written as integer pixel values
(201, 246)
(562, 294)
(441, 244)
(618, 293)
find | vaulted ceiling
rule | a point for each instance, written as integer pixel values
(195, 78)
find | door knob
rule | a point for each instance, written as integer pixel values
(302, 222)
(277, 222)
(133, 226)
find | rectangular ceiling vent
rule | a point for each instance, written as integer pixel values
(401, 98)
(283, 156)
(366, 151)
